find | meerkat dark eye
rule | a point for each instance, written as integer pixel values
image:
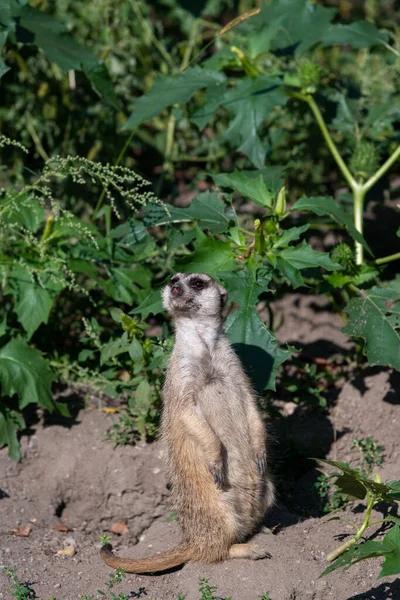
(197, 284)
(174, 279)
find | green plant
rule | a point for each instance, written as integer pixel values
(371, 453)
(258, 94)
(207, 591)
(18, 589)
(330, 497)
(47, 254)
(353, 484)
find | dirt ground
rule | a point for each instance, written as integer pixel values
(70, 475)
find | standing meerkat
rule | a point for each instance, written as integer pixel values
(213, 434)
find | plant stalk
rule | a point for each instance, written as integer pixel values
(347, 545)
(358, 204)
(386, 259)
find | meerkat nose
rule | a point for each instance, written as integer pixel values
(176, 290)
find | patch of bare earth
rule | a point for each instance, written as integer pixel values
(70, 476)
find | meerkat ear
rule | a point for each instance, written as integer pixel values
(223, 295)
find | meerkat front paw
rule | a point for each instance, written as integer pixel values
(217, 472)
(261, 462)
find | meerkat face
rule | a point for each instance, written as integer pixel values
(194, 294)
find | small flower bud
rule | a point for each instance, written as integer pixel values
(365, 159)
(344, 255)
(310, 75)
(280, 205)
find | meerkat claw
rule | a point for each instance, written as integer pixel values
(218, 476)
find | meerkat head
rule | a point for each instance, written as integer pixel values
(194, 295)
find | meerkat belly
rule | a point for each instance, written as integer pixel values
(226, 411)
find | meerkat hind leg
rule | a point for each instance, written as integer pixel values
(252, 551)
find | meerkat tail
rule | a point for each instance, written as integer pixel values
(161, 562)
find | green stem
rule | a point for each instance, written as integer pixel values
(358, 203)
(48, 228)
(344, 547)
(327, 136)
(386, 259)
(380, 172)
(117, 162)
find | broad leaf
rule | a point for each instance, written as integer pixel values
(369, 549)
(254, 343)
(251, 102)
(391, 564)
(303, 24)
(24, 372)
(207, 209)
(171, 90)
(127, 285)
(51, 35)
(10, 423)
(326, 205)
(394, 489)
(291, 260)
(290, 235)
(249, 184)
(378, 489)
(114, 348)
(210, 256)
(152, 305)
(3, 67)
(375, 317)
(358, 35)
(33, 301)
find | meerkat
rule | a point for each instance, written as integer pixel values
(213, 434)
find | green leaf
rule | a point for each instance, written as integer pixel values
(260, 42)
(51, 35)
(378, 489)
(251, 103)
(136, 351)
(10, 423)
(207, 209)
(391, 564)
(253, 342)
(325, 205)
(249, 184)
(3, 326)
(29, 214)
(101, 83)
(369, 549)
(210, 256)
(350, 487)
(127, 284)
(291, 260)
(290, 235)
(143, 395)
(171, 90)
(375, 317)
(395, 489)
(358, 35)
(33, 302)
(3, 67)
(24, 372)
(152, 305)
(114, 348)
(303, 24)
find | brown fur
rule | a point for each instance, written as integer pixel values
(213, 435)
